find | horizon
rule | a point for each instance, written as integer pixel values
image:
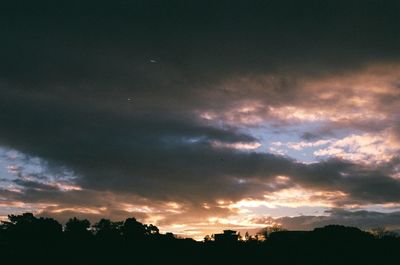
(201, 116)
(117, 227)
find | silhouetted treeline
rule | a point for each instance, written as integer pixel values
(26, 239)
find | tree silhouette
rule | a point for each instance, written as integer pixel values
(108, 230)
(266, 232)
(49, 228)
(152, 229)
(132, 229)
(383, 233)
(250, 238)
(77, 228)
(208, 238)
(26, 239)
(28, 227)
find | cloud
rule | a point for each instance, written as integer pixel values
(365, 148)
(142, 103)
(362, 219)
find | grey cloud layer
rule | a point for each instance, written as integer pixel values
(88, 46)
(362, 219)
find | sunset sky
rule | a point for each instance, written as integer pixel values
(202, 115)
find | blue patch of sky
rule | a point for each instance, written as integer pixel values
(269, 134)
(35, 168)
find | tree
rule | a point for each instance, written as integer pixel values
(382, 233)
(152, 229)
(77, 228)
(27, 226)
(170, 235)
(48, 228)
(239, 236)
(107, 229)
(248, 237)
(265, 232)
(25, 218)
(207, 238)
(133, 229)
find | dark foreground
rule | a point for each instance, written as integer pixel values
(30, 240)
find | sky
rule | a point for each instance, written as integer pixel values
(198, 116)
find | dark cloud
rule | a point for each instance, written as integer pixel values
(364, 184)
(199, 173)
(97, 46)
(33, 185)
(362, 219)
